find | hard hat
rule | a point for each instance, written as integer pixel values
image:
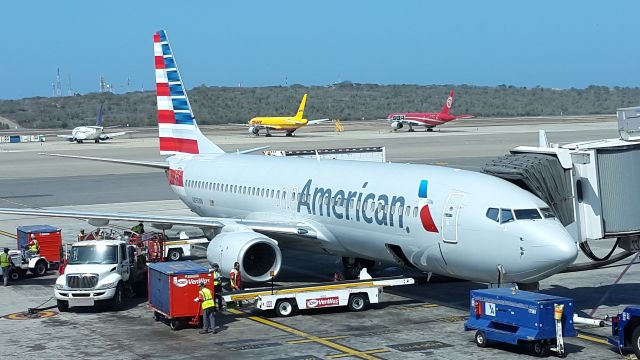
(33, 236)
(6, 249)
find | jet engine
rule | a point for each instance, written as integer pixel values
(257, 254)
(396, 125)
(253, 130)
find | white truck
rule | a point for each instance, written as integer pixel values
(100, 271)
(355, 294)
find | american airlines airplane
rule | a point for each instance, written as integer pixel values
(447, 221)
(81, 133)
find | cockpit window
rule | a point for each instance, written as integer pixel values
(547, 213)
(493, 214)
(506, 216)
(527, 214)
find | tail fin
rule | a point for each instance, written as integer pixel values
(300, 113)
(178, 129)
(99, 119)
(447, 105)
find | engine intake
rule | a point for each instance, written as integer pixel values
(257, 254)
(396, 125)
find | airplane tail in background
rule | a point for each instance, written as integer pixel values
(99, 119)
(300, 113)
(178, 129)
(447, 105)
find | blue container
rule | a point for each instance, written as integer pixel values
(173, 286)
(521, 317)
(14, 138)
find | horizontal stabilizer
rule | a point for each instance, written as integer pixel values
(151, 164)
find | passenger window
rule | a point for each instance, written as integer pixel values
(415, 211)
(358, 205)
(293, 196)
(547, 213)
(272, 193)
(506, 216)
(278, 194)
(407, 211)
(493, 214)
(527, 214)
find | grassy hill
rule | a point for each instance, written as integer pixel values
(344, 101)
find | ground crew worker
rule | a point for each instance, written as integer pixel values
(33, 248)
(5, 265)
(235, 280)
(81, 235)
(205, 298)
(217, 286)
(138, 228)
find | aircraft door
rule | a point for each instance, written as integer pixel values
(450, 218)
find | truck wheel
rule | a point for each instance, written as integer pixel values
(40, 269)
(175, 324)
(357, 302)
(63, 305)
(118, 298)
(175, 254)
(285, 308)
(480, 339)
(635, 341)
(14, 275)
(540, 348)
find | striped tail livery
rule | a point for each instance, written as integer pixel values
(178, 130)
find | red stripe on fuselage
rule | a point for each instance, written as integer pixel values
(166, 117)
(180, 145)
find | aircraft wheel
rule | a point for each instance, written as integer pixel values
(79, 141)
(289, 134)
(268, 135)
(411, 130)
(429, 129)
(97, 141)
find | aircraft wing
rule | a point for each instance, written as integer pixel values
(318, 121)
(68, 137)
(264, 227)
(112, 135)
(465, 116)
(413, 122)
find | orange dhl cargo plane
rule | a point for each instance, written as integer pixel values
(289, 124)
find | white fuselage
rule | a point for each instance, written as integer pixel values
(336, 198)
(86, 132)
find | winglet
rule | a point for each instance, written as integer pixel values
(542, 139)
(300, 113)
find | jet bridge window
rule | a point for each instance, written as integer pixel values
(506, 216)
(527, 214)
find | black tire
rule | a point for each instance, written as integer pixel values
(40, 269)
(635, 341)
(429, 129)
(267, 134)
(97, 141)
(117, 302)
(79, 141)
(358, 302)
(285, 307)
(157, 316)
(174, 254)
(63, 305)
(289, 134)
(175, 324)
(15, 275)
(480, 339)
(540, 348)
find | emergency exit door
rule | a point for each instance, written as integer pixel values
(450, 217)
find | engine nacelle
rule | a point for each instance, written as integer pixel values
(257, 254)
(254, 130)
(396, 125)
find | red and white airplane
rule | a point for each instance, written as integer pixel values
(428, 120)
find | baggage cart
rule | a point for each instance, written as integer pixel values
(172, 288)
(521, 317)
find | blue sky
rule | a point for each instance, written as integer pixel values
(558, 44)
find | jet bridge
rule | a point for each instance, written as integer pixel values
(592, 186)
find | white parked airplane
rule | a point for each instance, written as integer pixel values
(447, 221)
(81, 133)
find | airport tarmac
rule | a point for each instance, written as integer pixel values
(413, 322)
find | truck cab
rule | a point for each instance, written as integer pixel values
(99, 270)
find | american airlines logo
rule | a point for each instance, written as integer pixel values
(425, 214)
(340, 204)
(323, 302)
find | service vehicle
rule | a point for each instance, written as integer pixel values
(625, 330)
(50, 256)
(355, 294)
(100, 271)
(521, 318)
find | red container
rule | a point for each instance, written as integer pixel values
(174, 285)
(49, 239)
